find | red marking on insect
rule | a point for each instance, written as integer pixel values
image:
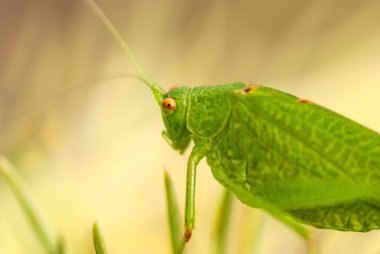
(306, 101)
(188, 233)
(249, 88)
(169, 103)
(173, 87)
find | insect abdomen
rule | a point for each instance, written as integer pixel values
(274, 138)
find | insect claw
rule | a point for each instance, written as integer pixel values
(187, 236)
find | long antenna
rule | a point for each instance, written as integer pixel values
(157, 91)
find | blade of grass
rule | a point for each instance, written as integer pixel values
(99, 245)
(17, 187)
(252, 231)
(222, 222)
(61, 246)
(173, 217)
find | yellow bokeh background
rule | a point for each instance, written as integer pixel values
(87, 140)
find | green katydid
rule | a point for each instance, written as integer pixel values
(286, 155)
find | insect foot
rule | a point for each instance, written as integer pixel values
(188, 233)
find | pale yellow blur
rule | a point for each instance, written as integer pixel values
(89, 146)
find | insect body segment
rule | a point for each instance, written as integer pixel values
(173, 109)
(208, 110)
(284, 149)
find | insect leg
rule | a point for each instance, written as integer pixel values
(196, 155)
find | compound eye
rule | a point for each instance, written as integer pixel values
(168, 105)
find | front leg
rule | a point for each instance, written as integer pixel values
(196, 155)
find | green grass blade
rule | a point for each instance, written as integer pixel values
(97, 236)
(16, 185)
(61, 246)
(173, 217)
(256, 201)
(295, 226)
(222, 222)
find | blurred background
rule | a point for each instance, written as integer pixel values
(87, 141)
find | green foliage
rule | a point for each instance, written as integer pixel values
(99, 245)
(37, 224)
(35, 220)
(173, 216)
(222, 222)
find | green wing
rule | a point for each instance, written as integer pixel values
(302, 158)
